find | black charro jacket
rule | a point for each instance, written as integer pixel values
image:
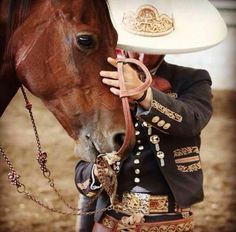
(176, 118)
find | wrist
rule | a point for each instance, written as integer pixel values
(142, 98)
(146, 103)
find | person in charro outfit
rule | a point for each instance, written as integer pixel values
(161, 178)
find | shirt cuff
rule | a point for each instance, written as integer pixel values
(94, 185)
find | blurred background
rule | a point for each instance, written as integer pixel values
(215, 214)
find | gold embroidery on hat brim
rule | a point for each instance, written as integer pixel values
(148, 22)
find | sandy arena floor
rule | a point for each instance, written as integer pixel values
(17, 214)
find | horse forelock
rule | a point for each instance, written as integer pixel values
(105, 18)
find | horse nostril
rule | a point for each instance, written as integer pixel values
(119, 139)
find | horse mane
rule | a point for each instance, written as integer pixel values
(17, 12)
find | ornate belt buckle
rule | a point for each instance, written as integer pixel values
(159, 204)
(135, 203)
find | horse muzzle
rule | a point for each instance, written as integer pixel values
(89, 146)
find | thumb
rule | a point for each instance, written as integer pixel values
(112, 61)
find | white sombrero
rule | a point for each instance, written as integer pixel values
(167, 26)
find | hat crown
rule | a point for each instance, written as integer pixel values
(147, 21)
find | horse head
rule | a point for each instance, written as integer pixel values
(58, 51)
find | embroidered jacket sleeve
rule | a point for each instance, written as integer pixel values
(187, 114)
(85, 179)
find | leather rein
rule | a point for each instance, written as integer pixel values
(14, 178)
(124, 94)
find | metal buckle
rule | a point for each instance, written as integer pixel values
(133, 203)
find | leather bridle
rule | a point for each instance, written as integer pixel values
(124, 94)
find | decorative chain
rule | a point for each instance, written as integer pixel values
(15, 180)
(42, 160)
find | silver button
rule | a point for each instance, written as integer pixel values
(141, 148)
(136, 161)
(136, 180)
(166, 126)
(149, 130)
(160, 154)
(154, 139)
(138, 153)
(116, 168)
(136, 124)
(139, 141)
(155, 119)
(145, 124)
(137, 132)
(161, 123)
(137, 171)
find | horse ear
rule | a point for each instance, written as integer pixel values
(9, 85)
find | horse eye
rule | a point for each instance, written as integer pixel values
(86, 41)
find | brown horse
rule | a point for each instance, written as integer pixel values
(56, 49)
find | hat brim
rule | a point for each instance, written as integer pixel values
(198, 26)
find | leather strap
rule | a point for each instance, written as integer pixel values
(124, 94)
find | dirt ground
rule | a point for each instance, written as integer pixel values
(17, 214)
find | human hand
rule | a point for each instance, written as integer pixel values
(131, 79)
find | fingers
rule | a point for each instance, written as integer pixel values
(110, 82)
(115, 91)
(111, 79)
(114, 84)
(109, 74)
